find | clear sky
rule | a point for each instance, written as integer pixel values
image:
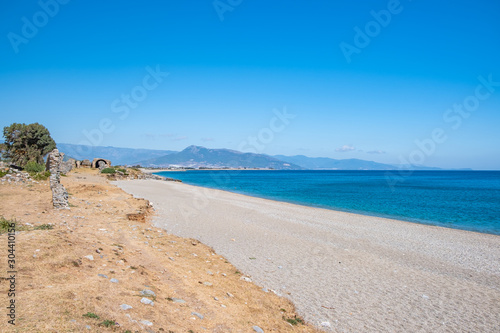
(388, 81)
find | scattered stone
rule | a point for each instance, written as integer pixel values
(265, 290)
(114, 280)
(258, 329)
(247, 279)
(199, 315)
(147, 292)
(178, 300)
(229, 294)
(280, 267)
(146, 322)
(103, 275)
(125, 307)
(207, 284)
(89, 257)
(147, 301)
(325, 324)
(88, 327)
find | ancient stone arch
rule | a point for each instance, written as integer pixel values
(101, 163)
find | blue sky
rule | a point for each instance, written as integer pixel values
(386, 94)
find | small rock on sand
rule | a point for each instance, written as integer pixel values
(258, 329)
(178, 300)
(114, 280)
(125, 307)
(146, 322)
(147, 292)
(199, 315)
(89, 257)
(146, 301)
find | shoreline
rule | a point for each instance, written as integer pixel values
(349, 262)
(336, 209)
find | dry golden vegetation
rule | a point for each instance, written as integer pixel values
(66, 261)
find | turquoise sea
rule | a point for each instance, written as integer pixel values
(468, 200)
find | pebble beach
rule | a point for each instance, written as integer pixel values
(344, 272)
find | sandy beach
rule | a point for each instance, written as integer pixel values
(344, 272)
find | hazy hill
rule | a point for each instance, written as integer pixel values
(195, 156)
(325, 163)
(117, 156)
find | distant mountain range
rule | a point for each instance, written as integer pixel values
(196, 157)
(117, 156)
(324, 163)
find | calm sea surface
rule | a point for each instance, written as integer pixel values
(467, 200)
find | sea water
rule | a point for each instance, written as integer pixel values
(468, 200)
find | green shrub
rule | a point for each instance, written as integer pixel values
(44, 227)
(41, 175)
(108, 170)
(294, 321)
(3, 173)
(108, 323)
(91, 315)
(122, 170)
(6, 225)
(34, 167)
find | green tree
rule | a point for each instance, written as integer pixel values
(24, 143)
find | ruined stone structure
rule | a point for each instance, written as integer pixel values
(59, 193)
(101, 163)
(85, 164)
(66, 166)
(97, 163)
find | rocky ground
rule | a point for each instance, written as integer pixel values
(91, 268)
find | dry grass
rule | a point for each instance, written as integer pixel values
(57, 285)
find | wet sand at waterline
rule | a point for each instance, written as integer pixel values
(344, 272)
